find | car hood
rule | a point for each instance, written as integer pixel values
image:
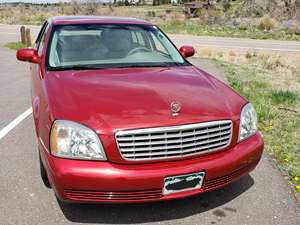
(116, 99)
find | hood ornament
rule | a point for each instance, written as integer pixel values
(175, 108)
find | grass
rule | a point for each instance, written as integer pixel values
(196, 28)
(37, 14)
(209, 23)
(280, 128)
(15, 45)
(283, 97)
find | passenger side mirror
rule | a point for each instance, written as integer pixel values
(187, 51)
(28, 55)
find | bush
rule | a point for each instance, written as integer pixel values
(210, 16)
(41, 18)
(245, 25)
(297, 29)
(151, 13)
(226, 5)
(266, 23)
(91, 7)
(76, 7)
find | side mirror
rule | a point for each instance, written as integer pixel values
(28, 55)
(187, 51)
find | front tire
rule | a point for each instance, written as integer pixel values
(44, 174)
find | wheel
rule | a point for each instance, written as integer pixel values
(44, 174)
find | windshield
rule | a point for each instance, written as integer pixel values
(109, 46)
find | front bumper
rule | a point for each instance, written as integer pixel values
(90, 181)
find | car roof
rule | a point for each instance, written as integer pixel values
(95, 20)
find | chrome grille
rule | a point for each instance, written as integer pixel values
(174, 141)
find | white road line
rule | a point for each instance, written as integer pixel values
(14, 123)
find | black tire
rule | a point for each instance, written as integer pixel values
(44, 174)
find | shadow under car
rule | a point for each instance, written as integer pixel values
(156, 211)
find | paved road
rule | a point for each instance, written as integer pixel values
(220, 43)
(262, 198)
(238, 44)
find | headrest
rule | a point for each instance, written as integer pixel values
(77, 42)
(116, 39)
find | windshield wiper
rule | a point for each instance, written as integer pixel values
(77, 67)
(97, 67)
(137, 66)
(142, 65)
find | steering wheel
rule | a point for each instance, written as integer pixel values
(137, 49)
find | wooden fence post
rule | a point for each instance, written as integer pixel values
(28, 37)
(23, 37)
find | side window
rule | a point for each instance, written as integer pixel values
(41, 38)
(138, 39)
(157, 45)
(134, 38)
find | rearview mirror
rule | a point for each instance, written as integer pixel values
(28, 55)
(187, 51)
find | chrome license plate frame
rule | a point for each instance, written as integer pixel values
(182, 183)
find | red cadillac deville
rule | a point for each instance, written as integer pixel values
(122, 116)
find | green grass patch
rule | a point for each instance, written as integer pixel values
(15, 45)
(196, 28)
(280, 128)
(281, 97)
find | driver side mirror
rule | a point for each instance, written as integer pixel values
(187, 51)
(28, 55)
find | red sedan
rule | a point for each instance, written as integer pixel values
(122, 116)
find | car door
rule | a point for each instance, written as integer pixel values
(39, 100)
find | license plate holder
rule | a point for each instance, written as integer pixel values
(181, 183)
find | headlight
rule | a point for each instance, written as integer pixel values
(73, 140)
(248, 122)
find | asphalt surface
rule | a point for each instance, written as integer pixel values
(261, 198)
(238, 44)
